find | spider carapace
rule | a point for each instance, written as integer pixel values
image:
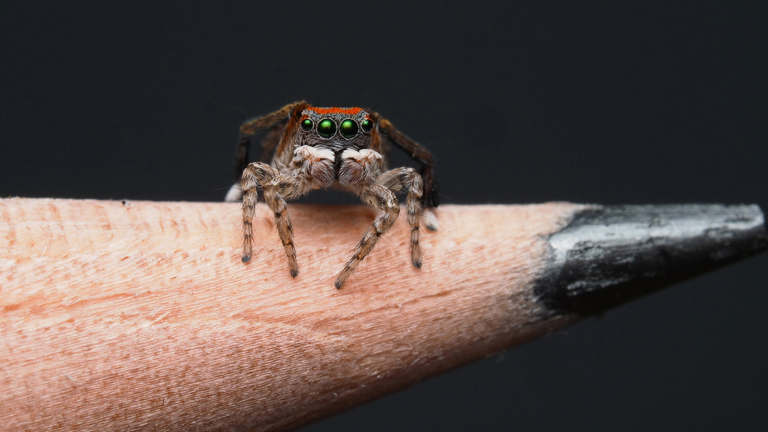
(306, 148)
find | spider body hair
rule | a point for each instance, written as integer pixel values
(307, 148)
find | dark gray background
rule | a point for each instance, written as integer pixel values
(630, 103)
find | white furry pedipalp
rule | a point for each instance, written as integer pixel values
(359, 166)
(306, 148)
(317, 164)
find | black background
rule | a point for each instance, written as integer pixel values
(625, 103)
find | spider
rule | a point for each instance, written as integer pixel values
(308, 148)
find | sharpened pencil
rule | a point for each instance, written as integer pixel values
(119, 315)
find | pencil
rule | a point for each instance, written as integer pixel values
(119, 315)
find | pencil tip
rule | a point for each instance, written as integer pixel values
(607, 256)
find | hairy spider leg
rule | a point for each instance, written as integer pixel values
(276, 188)
(382, 198)
(431, 197)
(407, 178)
(275, 121)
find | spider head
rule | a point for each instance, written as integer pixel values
(336, 127)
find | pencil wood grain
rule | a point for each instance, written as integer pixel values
(141, 315)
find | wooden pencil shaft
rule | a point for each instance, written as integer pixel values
(120, 315)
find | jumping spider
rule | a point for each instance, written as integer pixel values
(309, 148)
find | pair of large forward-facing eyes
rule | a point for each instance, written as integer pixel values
(326, 128)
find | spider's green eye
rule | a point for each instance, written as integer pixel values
(348, 128)
(367, 125)
(306, 124)
(326, 128)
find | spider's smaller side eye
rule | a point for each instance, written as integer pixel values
(306, 124)
(326, 128)
(348, 128)
(367, 125)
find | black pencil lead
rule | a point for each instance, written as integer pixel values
(610, 255)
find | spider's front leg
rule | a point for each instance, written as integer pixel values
(309, 167)
(360, 170)
(259, 175)
(276, 122)
(382, 198)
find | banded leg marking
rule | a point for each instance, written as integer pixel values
(407, 178)
(275, 186)
(381, 198)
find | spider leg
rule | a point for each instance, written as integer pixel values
(275, 121)
(431, 197)
(268, 145)
(276, 187)
(407, 178)
(382, 198)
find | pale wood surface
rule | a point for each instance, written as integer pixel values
(141, 315)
